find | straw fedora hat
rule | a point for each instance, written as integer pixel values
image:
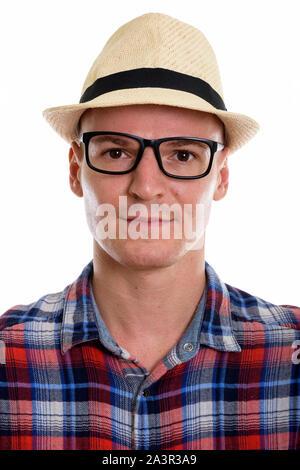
(155, 59)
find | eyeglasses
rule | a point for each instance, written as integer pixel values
(116, 153)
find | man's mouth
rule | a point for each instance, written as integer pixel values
(148, 220)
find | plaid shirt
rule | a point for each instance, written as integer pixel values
(232, 382)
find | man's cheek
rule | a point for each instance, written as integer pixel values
(91, 204)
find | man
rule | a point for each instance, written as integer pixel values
(148, 348)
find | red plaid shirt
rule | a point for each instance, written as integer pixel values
(232, 382)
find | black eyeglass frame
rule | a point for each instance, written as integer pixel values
(154, 144)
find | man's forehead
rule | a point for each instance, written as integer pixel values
(92, 115)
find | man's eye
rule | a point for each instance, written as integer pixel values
(115, 153)
(183, 155)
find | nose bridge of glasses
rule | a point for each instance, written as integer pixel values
(150, 143)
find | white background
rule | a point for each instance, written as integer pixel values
(47, 48)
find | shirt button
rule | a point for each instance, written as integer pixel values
(188, 347)
(146, 393)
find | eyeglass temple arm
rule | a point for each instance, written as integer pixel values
(220, 147)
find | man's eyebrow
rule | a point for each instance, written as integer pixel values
(184, 143)
(114, 139)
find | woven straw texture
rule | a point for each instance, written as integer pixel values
(155, 40)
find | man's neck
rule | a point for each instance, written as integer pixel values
(148, 305)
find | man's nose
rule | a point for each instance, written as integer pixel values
(147, 180)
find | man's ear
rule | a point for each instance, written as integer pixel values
(222, 176)
(75, 162)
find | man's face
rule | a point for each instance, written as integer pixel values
(147, 185)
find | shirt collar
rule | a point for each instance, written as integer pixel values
(217, 329)
(79, 316)
(78, 324)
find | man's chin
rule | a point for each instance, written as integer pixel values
(144, 254)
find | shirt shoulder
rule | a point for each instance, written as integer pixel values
(248, 307)
(48, 308)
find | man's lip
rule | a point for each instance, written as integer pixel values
(147, 220)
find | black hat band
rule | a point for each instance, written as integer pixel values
(153, 78)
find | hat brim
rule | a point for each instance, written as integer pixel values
(64, 119)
